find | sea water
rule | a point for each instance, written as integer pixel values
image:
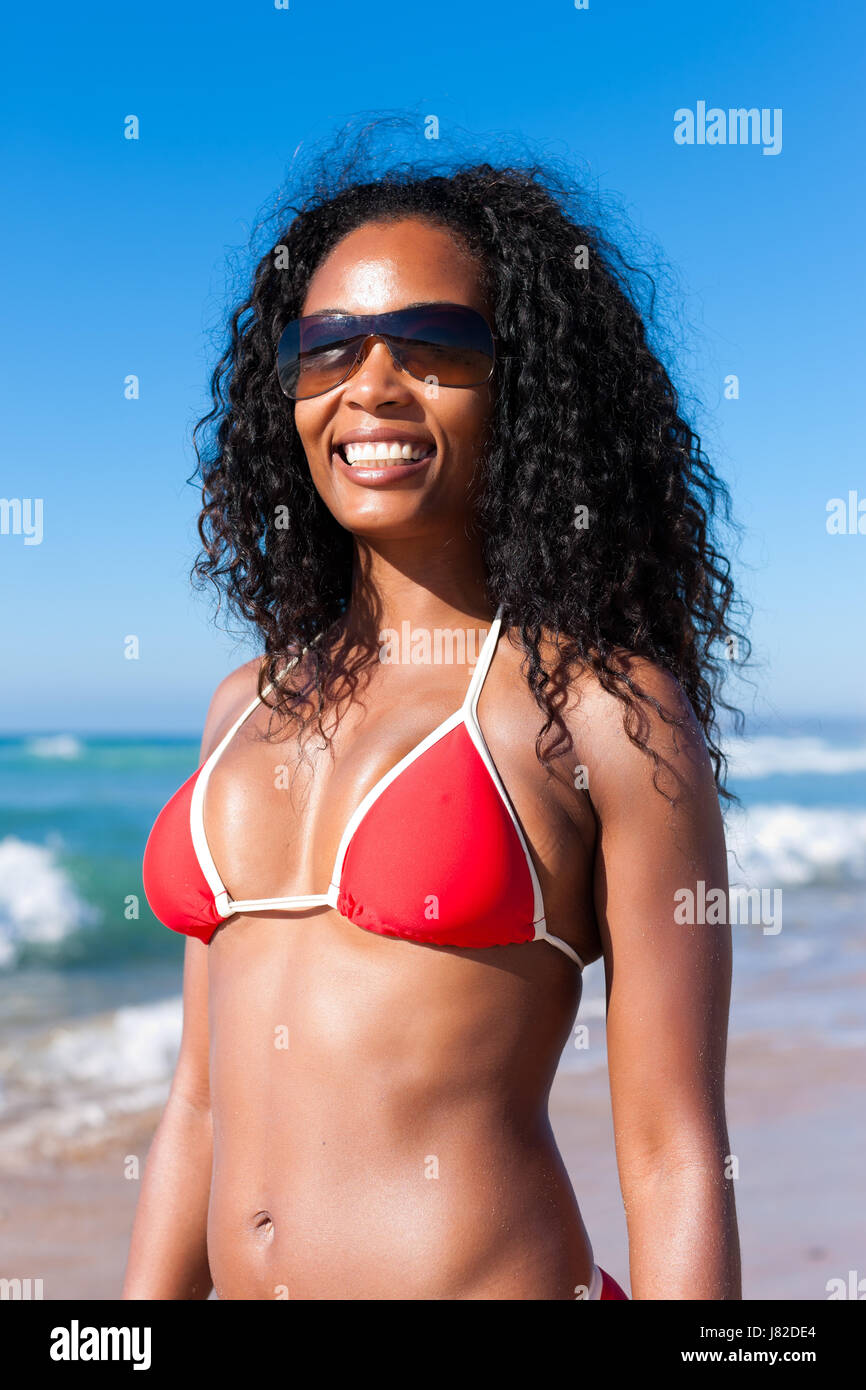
(90, 1008)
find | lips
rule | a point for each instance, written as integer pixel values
(382, 472)
(384, 455)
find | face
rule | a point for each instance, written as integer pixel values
(375, 269)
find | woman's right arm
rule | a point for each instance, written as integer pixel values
(168, 1251)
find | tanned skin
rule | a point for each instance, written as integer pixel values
(359, 1117)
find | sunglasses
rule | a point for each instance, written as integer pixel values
(450, 343)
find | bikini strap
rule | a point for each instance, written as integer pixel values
(226, 740)
(196, 806)
(482, 665)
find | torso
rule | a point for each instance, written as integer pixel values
(380, 1105)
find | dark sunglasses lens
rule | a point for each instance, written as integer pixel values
(313, 356)
(449, 343)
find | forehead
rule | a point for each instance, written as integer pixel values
(383, 265)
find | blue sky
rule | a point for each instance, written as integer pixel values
(115, 256)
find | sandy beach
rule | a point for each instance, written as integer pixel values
(797, 1124)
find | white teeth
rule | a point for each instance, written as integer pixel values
(385, 452)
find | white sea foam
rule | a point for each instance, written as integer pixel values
(65, 746)
(38, 902)
(126, 1048)
(787, 845)
(72, 1083)
(768, 755)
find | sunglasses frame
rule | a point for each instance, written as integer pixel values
(375, 331)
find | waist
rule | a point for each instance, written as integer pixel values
(466, 1215)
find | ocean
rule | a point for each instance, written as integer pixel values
(90, 1006)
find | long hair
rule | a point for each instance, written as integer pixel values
(597, 504)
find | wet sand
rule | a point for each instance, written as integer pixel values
(797, 1124)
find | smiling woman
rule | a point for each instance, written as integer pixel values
(414, 409)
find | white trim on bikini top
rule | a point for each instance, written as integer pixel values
(467, 713)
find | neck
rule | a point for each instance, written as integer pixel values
(393, 583)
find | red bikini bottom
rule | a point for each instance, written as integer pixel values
(609, 1287)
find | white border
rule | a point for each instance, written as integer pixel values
(477, 736)
(201, 848)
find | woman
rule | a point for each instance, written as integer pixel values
(392, 869)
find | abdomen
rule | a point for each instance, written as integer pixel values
(380, 1117)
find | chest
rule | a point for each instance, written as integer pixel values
(412, 785)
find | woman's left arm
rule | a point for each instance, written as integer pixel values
(668, 972)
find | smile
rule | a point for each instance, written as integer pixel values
(385, 453)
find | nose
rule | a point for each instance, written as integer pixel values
(378, 376)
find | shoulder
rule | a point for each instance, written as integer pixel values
(652, 742)
(237, 690)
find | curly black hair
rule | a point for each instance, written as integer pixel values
(598, 508)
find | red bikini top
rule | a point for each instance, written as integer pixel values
(434, 853)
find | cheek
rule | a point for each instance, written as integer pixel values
(307, 425)
(467, 425)
(310, 424)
